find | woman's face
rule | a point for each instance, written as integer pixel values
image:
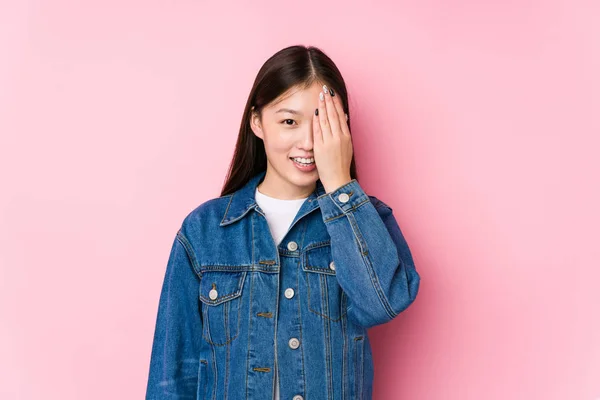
(287, 132)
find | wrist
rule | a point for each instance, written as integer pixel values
(334, 185)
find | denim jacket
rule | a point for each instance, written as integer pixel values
(232, 301)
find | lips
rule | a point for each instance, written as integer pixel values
(304, 167)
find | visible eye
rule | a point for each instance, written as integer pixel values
(288, 120)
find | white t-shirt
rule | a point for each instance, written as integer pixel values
(279, 214)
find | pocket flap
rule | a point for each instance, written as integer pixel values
(319, 260)
(217, 287)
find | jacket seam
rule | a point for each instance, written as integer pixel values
(369, 265)
(344, 213)
(190, 252)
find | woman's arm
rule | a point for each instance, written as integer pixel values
(178, 331)
(374, 265)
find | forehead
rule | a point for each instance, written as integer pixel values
(298, 97)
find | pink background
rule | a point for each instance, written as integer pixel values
(478, 122)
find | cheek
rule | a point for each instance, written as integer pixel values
(278, 142)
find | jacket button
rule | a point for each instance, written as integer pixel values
(292, 246)
(343, 197)
(213, 294)
(298, 397)
(332, 265)
(294, 343)
(289, 293)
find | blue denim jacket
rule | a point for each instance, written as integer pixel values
(232, 301)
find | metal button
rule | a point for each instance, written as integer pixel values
(332, 265)
(292, 246)
(289, 293)
(343, 197)
(213, 294)
(294, 343)
(298, 397)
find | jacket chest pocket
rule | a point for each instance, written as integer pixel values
(220, 292)
(324, 294)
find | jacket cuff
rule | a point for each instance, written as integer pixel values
(342, 200)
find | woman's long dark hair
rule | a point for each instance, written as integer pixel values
(292, 66)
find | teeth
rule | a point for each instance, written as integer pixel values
(304, 160)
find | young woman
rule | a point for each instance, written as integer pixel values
(270, 288)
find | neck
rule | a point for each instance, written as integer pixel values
(275, 186)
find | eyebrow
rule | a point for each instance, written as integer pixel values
(288, 110)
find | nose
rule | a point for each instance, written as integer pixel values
(306, 140)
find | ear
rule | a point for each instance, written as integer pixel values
(255, 124)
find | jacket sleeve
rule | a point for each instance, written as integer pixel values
(174, 360)
(374, 265)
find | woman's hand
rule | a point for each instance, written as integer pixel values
(332, 142)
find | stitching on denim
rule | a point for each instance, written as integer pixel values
(318, 244)
(310, 307)
(225, 297)
(303, 215)
(252, 276)
(362, 366)
(190, 252)
(344, 350)
(215, 374)
(327, 273)
(323, 271)
(369, 265)
(228, 221)
(226, 209)
(228, 348)
(303, 234)
(216, 266)
(253, 244)
(259, 267)
(237, 328)
(358, 341)
(347, 184)
(353, 208)
(324, 322)
(327, 329)
(351, 205)
(276, 313)
(222, 299)
(206, 332)
(204, 380)
(236, 300)
(298, 269)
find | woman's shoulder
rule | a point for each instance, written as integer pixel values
(209, 210)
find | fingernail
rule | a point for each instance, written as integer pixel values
(321, 96)
(316, 111)
(325, 88)
(331, 92)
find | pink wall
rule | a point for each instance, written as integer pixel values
(478, 122)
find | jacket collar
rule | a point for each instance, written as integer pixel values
(242, 200)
